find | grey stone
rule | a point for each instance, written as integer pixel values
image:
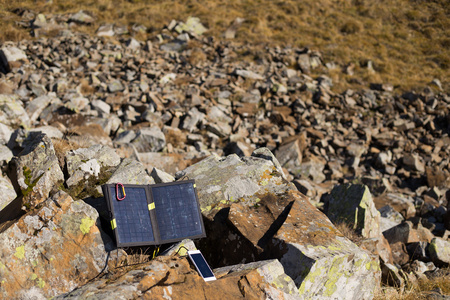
(101, 106)
(440, 252)
(133, 44)
(290, 157)
(84, 163)
(5, 133)
(125, 136)
(50, 131)
(130, 172)
(77, 103)
(35, 107)
(13, 53)
(248, 74)
(232, 179)
(192, 119)
(313, 169)
(12, 112)
(82, 18)
(353, 204)
(37, 169)
(180, 248)
(161, 176)
(115, 86)
(389, 217)
(105, 30)
(7, 191)
(5, 154)
(149, 139)
(414, 162)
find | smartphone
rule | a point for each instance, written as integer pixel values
(201, 265)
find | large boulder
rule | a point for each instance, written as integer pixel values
(250, 207)
(353, 204)
(36, 169)
(173, 278)
(321, 261)
(51, 250)
(230, 179)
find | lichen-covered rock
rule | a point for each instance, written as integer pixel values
(353, 204)
(36, 169)
(51, 250)
(12, 112)
(321, 261)
(173, 278)
(89, 166)
(440, 252)
(230, 179)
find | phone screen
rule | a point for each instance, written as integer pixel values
(202, 265)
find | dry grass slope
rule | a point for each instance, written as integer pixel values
(407, 41)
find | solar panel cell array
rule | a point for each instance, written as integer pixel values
(177, 211)
(133, 216)
(154, 214)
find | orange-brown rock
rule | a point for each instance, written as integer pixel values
(51, 250)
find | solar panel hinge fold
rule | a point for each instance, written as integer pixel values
(113, 224)
(151, 206)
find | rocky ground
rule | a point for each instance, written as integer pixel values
(278, 157)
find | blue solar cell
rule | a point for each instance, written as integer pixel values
(133, 218)
(177, 212)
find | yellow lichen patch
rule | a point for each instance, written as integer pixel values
(33, 277)
(373, 265)
(334, 274)
(208, 208)
(86, 225)
(20, 252)
(41, 283)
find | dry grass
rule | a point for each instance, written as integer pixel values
(423, 289)
(406, 40)
(349, 232)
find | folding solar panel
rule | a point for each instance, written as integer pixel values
(154, 214)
